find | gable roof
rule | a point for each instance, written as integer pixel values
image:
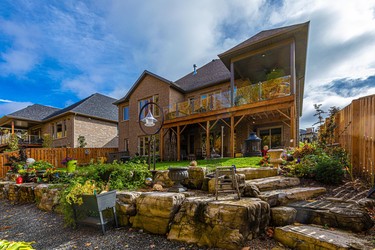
(96, 105)
(212, 73)
(262, 36)
(139, 80)
(35, 112)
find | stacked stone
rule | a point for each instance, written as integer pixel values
(162, 178)
(47, 198)
(13, 193)
(26, 193)
(196, 177)
(4, 187)
(126, 206)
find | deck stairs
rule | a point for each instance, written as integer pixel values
(303, 219)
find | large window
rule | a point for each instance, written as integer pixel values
(59, 129)
(143, 142)
(155, 112)
(126, 113)
(271, 137)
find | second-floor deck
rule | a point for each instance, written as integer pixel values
(262, 91)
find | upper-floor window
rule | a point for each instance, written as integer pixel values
(155, 111)
(126, 113)
(59, 129)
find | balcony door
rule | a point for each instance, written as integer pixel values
(272, 137)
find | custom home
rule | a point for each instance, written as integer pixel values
(94, 117)
(256, 86)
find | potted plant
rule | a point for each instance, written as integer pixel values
(70, 164)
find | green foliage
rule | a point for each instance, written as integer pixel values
(242, 162)
(16, 245)
(303, 150)
(265, 161)
(81, 141)
(13, 143)
(47, 141)
(329, 171)
(41, 165)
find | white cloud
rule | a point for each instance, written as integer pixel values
(9, 106)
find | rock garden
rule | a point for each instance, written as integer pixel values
(306, 200)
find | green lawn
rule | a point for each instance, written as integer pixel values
(239, 162)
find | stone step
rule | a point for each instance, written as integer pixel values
(314, 237)
(274, 182)
(285, 196)
(256, 173)
(343, 215)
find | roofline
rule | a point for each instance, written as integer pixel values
(300, 26)
(140, 78)
(78, 113)
(206, 86)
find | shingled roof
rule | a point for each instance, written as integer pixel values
(35, 112)
(212, 73)
(96, 105)
(264, 35)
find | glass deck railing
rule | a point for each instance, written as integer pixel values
(261, 91)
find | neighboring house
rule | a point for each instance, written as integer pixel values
(308, 135)
(257, 86)
(94, 117)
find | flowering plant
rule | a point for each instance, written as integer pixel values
(66, 160)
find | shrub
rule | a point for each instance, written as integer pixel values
(303, 150)
(329, 171)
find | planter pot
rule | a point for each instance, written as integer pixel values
(275, 157)
(71, 166)
(177, 175)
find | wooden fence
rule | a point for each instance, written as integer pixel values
(356, 133)
(56, 155)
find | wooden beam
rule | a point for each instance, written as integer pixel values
(235, 125)
(178, 144)
(213, 125)
(225, 122)
(202, 126)
(182, 130)
(174, 131)
(208, 153)
(161, 144)
(265, 114)
(293, 127)
(283, 114)
(262, 50)
(286, 123)
(166, 131)
(231, 143)
(12, 127)
(293, 67)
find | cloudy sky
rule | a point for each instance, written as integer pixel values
(57, 52)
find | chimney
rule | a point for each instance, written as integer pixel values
(195, 69)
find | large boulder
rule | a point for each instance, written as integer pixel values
(282, 216)
(126, 206)
(256, 173)
(47, 196)
(162, 178)
(155, 211)
(226, 224)
(196, 177)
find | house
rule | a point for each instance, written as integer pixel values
(308, 135)
(94, 117)
(256, 86)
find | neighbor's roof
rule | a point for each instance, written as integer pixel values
(35, 112)
(139, 80)
(212, 73)
(96, 105)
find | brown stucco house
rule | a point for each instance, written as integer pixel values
(256, 86)
(94, 117)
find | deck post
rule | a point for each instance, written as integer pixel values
(178, 144)
(12, 127)
(232, 84)
(293, 127)
(208, 151)
(232, 136)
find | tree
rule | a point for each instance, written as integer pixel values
(47, 141)
(82, 141)
(318, 113)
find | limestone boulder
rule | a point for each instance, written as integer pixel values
(282, 216)
(126, 206)
(256, 173)
(4, 187)
(285, 196)
(196, 177)
(226, 224)
(250, 190)
(47, 196)
(162, 178)
(275, 182)
(156, 210)
(343, 215)
(313, 237)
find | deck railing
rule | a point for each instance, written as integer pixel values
(24, 139)
(261, 91)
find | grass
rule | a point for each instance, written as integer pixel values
(239, 162)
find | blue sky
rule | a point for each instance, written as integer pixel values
(57, 52)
